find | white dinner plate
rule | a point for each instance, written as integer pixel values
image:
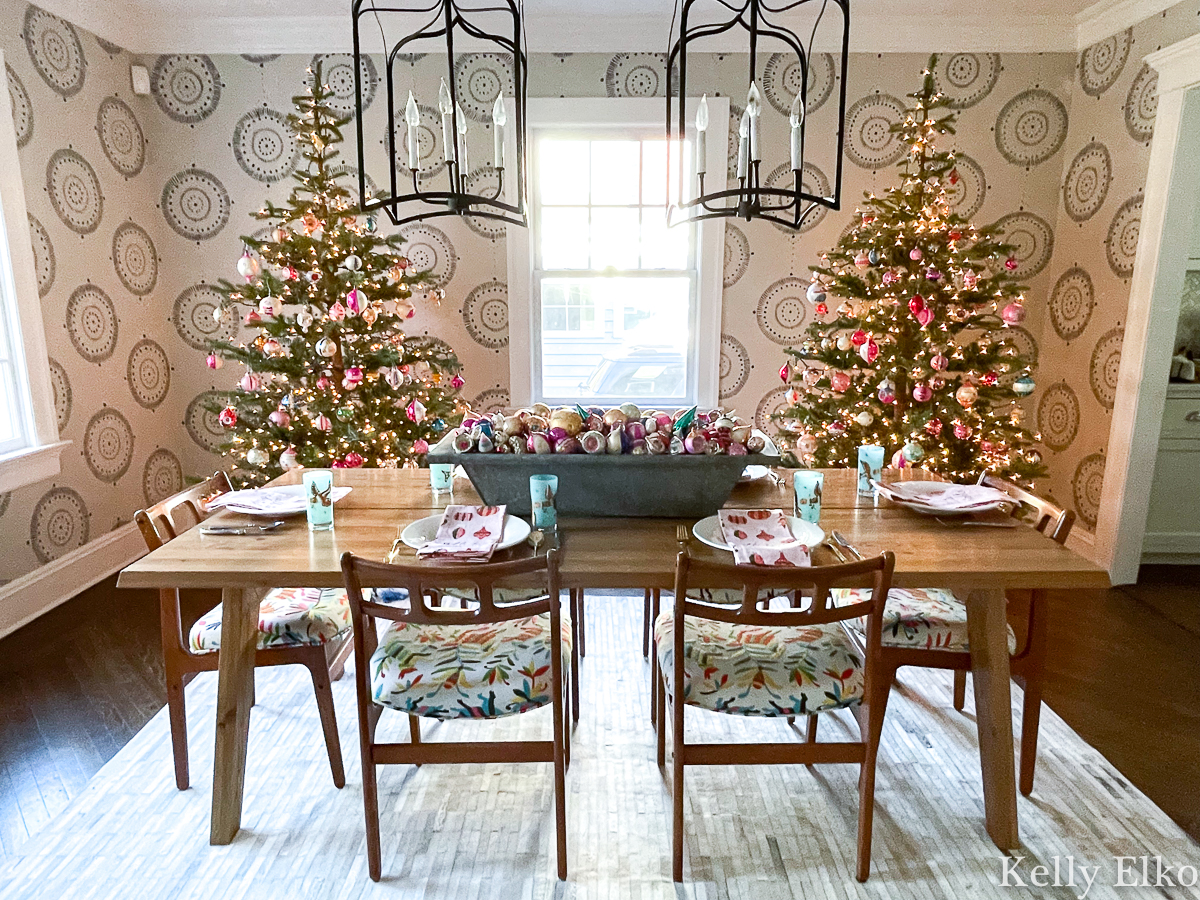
(270, 502)
(915, 491)
(754, 473)
(708, 531)
(422, 531)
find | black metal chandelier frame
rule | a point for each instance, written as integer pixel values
(446, 18)
(748, 197)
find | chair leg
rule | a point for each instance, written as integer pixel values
(414, 729)
(811, 733)
(677, 791)
(660, 726)
(560, 784)
(574, 668)
(337, 665)
(333, 746)
(960, 689)
(371, 811)
(582, 624)
(177, 709)
(646, 626)
(866, 776)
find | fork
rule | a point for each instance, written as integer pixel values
(682, 535)
(396, 545)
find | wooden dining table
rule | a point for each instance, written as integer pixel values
(979, 563)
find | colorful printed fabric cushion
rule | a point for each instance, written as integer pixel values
(287, 617)
(759, 670)
(920, 618)
(466, 671)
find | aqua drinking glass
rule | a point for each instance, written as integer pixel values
(870, 468)
(542, 491)
(807, 487)
(441, 478)
(318, 489)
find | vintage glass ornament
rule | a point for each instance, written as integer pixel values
(913, 452)
(248, 266)
(1013, 314)
(844, 342)
(925, 316)
(327, 348)
(940, 362)
(280, 234)
(337, 312)
(256, 457)
(369, 315)
(356, 301)
(287, 459)
(821, 309)
(352, 377)
(890, 277)
(352, 262)
(252, 318)
(868, 218)
(862, 261)
(345, 413)
(933, 274)
(954, 235)
(785, 373)
(864, 418)
(839, 382)
(970, 279)
(1011, 264)
(1024, 386)
(228, 417)
(272, 347)
(250, 382)
(887, 391)
(457, 382)
(213, 361)
(280, 418)
(933, 427)
(814, 292)
(916, 304)
(922, 392)
(858, 338)
(806, 444)
(322, 423)
(416, 411)
(269, 306)
(961, 431)
(812, 376)
(987, 379)
(873, 257)
(304, 318)
(966, 395)
(393, 377)
(313, 276)
(869, 351)
(915, 254)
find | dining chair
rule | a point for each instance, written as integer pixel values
(752, 660)
(485, 661)
(927, 627)
(297, 626)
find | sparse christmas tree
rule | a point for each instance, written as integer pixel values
(909, 347)
(330, 378)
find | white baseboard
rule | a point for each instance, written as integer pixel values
(24, 599)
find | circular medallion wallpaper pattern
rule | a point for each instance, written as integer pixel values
(148, 373)
(773, 401)
(260, 58)
(22, 111)
(121, 137)
(1141, 104)
(92, 323)
(485, 315)
(478, 79)
(1122, 240)
(135, 259)
(966, 186)
(966, 78)
(870, 142)
(108, 445)
(737, 255)
(735, 119)
(202, 424)
(1086, 487)
(782, 78)
(735, 365)
(337, 74)
(187, 87)
(1101, 64)
(162, 476)
(1087, 181)
(264, 145)
(54, 47)
(1071, 303)
(195, 204)
(1106, 366)
(635, 75)
(782, 310)
(59, 524)
(74, 191)
(1031, 127)
(430, 159)
(491, 400)
(61, 386)
(192, 316)
(484, 182)
(1058, 416)
(428, 249)
(43, 255)
(108, 46)
(813, 181)
(1032, 240)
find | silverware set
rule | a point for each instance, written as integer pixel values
(842, 548)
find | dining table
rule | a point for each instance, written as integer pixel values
(978, 563)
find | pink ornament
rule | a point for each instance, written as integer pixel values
(227, 417)
(416, 411)
(291, 274)
(940, 362)
(280, 418)
(353, 460)
(858, 338)
(989, 378)
(933, 427)
(269, 306)
(272, 347)
(356, 300)
(916, 304)
(250, 382)
(353, 377)
(1011, 264)
(253, 318)
(839, 382)
(213, 361)
(922, 392)
(915, 254)
(868, 218)
(456, 382)
(322, 423)
(890, 277)
(970, 279)
(1013, 314)
(966, 395)
(933, 274)
(862, 261)
(961, 431)
(785, 373)
(806, 444)
(411, 312)
(987, 446)
(869, 351)
(287, 459)
(323, 383)
(420, 445)
(837, 427)
(793, 396)
(247, 266)
(924, 317)
(337, 312)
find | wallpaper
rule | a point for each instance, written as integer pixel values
(137, 205)
(1113, 102)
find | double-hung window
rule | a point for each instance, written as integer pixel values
(609, 304)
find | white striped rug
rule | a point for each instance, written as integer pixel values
(758, 833)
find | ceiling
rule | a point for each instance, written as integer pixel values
(271, 26)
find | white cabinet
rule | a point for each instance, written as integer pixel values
(1173, 523)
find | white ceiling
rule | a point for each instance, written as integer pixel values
(271, 26)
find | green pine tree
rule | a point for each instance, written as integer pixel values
(909, 347)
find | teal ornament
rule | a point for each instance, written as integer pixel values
(1024, 386)
(913, 452)
(685, 421)
(287, 401)
(873, 257)
(438, 425)
(372, 224)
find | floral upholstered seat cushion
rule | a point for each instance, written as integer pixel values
(466, 671)
(287, 617)
(920, 618)
(757, 670)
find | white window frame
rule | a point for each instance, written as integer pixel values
(22, 308)
(524, 317)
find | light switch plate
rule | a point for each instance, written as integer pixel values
(139, 76)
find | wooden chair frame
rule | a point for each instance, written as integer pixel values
(420, 580)
(875, 573)
(1024, 607)
(160, 524)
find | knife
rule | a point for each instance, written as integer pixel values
(845, 545)
(241, 529)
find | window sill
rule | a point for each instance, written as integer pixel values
(28, 466)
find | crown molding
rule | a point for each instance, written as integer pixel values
(1108, 17)
(1178, 65)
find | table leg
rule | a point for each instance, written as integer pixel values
(235, 695)
(987, 631)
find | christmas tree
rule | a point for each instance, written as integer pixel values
(330, 378)
(908, 348)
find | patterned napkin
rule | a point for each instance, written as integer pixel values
(761, 537)
(466, 534)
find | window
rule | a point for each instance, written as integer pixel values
(620, 307)
(29, 445)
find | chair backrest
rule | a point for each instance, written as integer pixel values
(170, 518)
(1050, 519)
(422, 578)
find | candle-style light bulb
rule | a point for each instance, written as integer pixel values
(702, 136)
(499, 120)
(743, 157)
(412, 117)
(796, 120)
(754, 108)
(464, 166)
(446, 108)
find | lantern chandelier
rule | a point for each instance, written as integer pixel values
(444, 22)
(751, 198)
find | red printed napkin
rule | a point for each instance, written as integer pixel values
(466, 534)
(761, 537)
